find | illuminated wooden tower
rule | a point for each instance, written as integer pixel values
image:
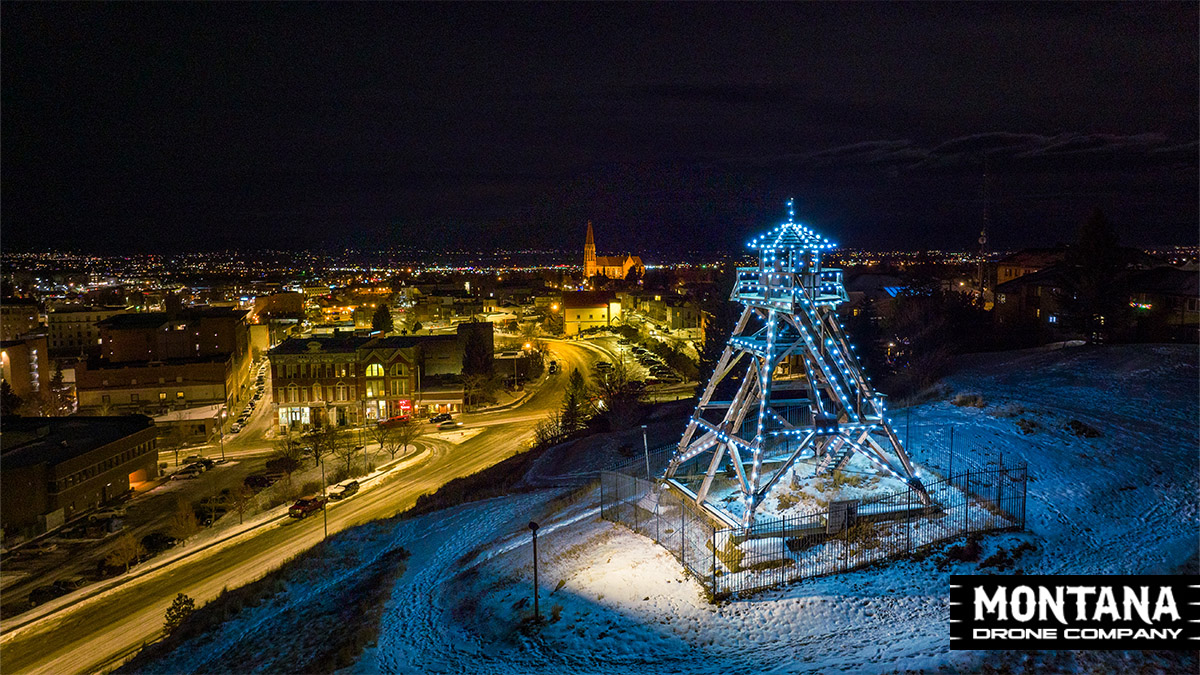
(802, 393)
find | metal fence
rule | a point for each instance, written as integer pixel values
(846, 536)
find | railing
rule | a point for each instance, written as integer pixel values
(846, 536)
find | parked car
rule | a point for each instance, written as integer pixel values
(71, 583)
(257, 481)
(440, 417)
(157, 542)
(452, 424)
(44, 594)
(195, 466)
(196, 459)
(306, 506)
(604, 366)
(553, 367)
(105, 514)
(185, 474)
(235, 428)
(344, 490)
(398, 419)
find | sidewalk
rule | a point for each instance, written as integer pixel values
(529, 390)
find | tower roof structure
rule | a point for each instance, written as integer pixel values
(801, 393)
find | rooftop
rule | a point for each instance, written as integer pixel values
(27, 441)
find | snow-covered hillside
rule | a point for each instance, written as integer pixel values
(1122, 502)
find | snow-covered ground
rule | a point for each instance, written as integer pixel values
(614, 602)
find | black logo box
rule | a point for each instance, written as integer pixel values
(969, 631)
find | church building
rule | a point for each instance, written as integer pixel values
(611, 266)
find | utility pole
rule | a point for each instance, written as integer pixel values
(324, 500)
(537, 615)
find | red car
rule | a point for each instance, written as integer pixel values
(392, 421)
(303, 507)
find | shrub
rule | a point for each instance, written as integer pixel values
(968, 401)
(1082, 430)
(787, 500)
(968, 552)
(312, 487)
(1028, 426)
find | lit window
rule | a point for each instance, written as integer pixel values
(162, 395)
(374, 370)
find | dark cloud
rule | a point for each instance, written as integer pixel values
(474, 124)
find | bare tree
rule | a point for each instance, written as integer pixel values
(319, 442)
(344, 449)
(126, 552)
(407, 433)
(289, 452)
(183, 521)
(241, 498)
(383, 435)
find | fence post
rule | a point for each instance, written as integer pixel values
(1000, 487)
(634, 504)
(712, 544)
(967, 501)
(682, 536)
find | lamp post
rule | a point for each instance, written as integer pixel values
(537, 615)
(646, 447)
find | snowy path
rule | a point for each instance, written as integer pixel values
(1122, 503)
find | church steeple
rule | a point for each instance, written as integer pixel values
(589, 254)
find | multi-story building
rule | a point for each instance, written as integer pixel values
(347, 379)
(25, 364)
(74, 330)
(157, 387)
(18, 316)
(55, 468)
(343, 380)
(588, 309)
(157, 362)
(1027, 261)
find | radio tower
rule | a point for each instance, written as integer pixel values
(987, 218)
(802, 393)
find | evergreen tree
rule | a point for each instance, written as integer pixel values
(574, 414)
(477, 356)
(1096, 300)
(9, 401)
(382, 319)
(178, 612)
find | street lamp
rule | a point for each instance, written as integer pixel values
(646, 447)
(537, 615)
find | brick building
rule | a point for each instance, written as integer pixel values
(56, 468)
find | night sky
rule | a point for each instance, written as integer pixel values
(671, 127)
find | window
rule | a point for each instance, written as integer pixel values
(399, 370)
(105, 398)
(179, 395)
(1053, 318)
(399, 387)
(374, 370)
(375, 388)
(133, 398)
(162, 395)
